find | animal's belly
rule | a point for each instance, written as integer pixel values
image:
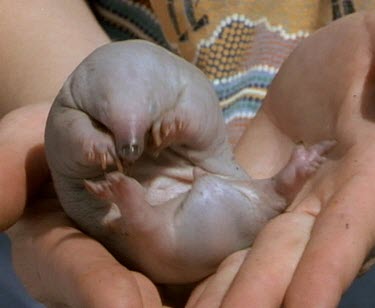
(164, 178)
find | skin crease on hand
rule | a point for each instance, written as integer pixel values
(338, 199)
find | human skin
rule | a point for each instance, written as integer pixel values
(29, 52)
(29, 86)
(308, 256)
(332, 247)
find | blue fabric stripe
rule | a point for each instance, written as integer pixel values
(248, 106)
(252, 79)
(115, 32)
(136, 15)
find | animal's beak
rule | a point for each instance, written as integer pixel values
(130, 152)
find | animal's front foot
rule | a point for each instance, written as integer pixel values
(102, 154)
(166, 130)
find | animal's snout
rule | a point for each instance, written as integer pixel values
(130, 152)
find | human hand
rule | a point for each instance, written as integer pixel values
(309, 255)
(27, 77)
(61, 266)
(49, 253)
(23, 165)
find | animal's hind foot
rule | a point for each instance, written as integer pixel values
(302, 164)
(306, 161)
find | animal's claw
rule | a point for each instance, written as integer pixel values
(103, 155)
(166, 130)
(103, 161)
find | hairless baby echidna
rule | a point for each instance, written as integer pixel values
(137, 148)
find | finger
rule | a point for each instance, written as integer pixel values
(342, 237)
(210, 292)
(21, 155)
(61, 266)
(268, 268)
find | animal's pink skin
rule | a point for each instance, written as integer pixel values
(174, 216)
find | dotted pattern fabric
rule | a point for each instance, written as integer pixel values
(239, 45)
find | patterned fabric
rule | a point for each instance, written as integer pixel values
(239, 45)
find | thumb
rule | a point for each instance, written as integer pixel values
(23, 167)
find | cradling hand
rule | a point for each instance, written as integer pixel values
(308, 256)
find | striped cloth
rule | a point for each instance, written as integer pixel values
(239, 45)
